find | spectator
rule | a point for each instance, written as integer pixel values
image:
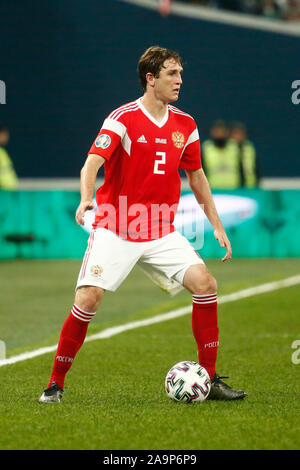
(220, 158)
(271, 10)
(231, 5)
(247, 155)
(293, 10)
(252, 7)
(8, 177)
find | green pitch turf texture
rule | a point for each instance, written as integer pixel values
(114, 393)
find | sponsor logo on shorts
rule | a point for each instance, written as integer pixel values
(96, 270)
(103, 141)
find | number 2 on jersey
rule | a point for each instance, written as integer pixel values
(161, 161)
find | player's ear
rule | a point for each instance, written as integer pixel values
(150, 79)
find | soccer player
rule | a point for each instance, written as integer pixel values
(142, 145)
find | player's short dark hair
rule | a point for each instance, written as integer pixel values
(152, 61)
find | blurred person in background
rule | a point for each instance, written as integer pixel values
(231, 5)
(292, 10)
(164, 7)
(247, 155)
(271, 10)
(8, 177)
(251, 7)
(220, 158)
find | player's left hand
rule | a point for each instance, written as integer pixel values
(222, 238)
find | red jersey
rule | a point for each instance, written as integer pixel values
(141, 190)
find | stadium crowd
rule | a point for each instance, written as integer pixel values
(287, 10)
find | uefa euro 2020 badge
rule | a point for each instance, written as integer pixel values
(96, 270)
(103, 141)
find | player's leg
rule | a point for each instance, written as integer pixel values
(175, 257)
(198, 280)
(72, 336)
(203, 287)
(105, 265)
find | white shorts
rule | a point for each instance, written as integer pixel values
(109, 259)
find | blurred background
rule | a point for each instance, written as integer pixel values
(65, 64)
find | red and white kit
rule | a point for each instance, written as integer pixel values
(142, 160)
(134, 222)
(140, 194)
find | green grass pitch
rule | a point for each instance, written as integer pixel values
(115, 396)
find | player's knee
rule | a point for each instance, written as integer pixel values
(88, 298)
(198, 280)
(205, 284)
(211, 285)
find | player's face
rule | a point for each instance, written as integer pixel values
(168, 83)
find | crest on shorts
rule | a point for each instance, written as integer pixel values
(96, 270)
(178, 139)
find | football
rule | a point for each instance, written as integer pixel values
(187, 382)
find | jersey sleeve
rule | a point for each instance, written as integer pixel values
(108, 138)
(191, 156)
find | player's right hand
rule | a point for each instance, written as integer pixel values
(82, 208)
(222, 238)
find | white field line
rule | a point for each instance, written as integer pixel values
(115, 330)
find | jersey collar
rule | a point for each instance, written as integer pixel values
(149, 116)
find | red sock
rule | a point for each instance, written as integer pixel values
(72, 336)
(205, 330)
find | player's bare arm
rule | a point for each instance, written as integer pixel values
(201, 189)
(88, 176)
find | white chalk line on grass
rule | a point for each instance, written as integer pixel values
(115, 330)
